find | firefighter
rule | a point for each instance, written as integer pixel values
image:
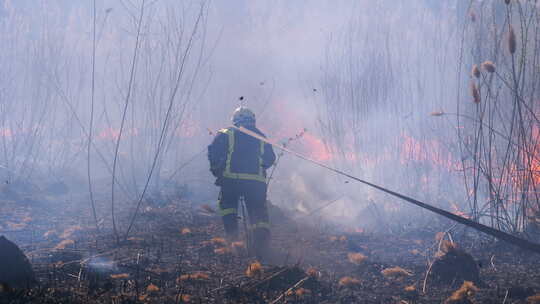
(239, 163)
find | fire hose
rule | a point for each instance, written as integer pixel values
(498, 234)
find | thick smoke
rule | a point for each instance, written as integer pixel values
(361, 76)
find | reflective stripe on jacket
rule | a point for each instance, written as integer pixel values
(236, 155)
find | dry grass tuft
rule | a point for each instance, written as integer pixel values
(69, 231)
(63, 244)
(489, 66)
(254, 270)
(119, 276)
(466, 291)
(238, 245)
(186, 298)
(349, 282)
(313, 273)
(196, 276)
(475, 93)
(395, 273)
(410, 288)
(447, 246)
(49, 234)
(299, 293)
(534, 299)
(223, 251)
(511, 40)
(219, 241)
(152, 288)
(356, 258)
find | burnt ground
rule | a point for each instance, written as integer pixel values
(173, 256)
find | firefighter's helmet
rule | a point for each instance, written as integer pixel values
(243, 116)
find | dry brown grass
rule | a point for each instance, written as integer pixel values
(465, 292)
(410, 288)
(63, 244)
(534, 299)
(218, 241)
(196, 276)
(223, 251)
(312, 272)
(152, 288)
(299, 293)
(395, 273)
(349, 282)
(119, 276)
(254, 270)
(356, 258)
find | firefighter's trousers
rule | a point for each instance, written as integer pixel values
(254, 194)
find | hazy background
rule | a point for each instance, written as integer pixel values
(361, 76)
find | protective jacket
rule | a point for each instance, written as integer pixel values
(236, 155)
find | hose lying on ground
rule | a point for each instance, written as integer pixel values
(522, 243)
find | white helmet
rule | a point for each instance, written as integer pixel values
(243, 116)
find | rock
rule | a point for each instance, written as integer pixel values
(15, 269)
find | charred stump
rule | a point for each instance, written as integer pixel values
(454, 266)
(15, 269)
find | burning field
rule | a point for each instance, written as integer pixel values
(177, 254)
(400, 161)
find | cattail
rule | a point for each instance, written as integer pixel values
(489, 66)
(511, 40)
(472, 14)
(475, 93)
(475, 71)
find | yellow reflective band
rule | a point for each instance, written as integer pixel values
(227, 172)
(224, 212)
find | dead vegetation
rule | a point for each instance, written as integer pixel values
(161, 265)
